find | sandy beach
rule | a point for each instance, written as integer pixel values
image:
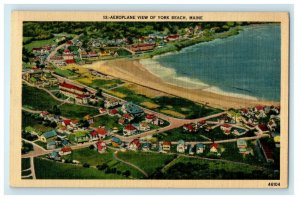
(133, 71)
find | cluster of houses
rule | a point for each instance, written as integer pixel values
(39, 77)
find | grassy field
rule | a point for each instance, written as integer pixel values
(93, 158)
(40, 43)
(36, 99)
(46, 169)
(25, 163)
(179, 134)
(206, 169)
(29, 120)
(149, 162)
(64, 73)
(107, 121)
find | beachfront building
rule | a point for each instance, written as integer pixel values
(132, 109)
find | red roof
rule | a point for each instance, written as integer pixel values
(172, 36)
(66, 149)
(93, 133)
(226, 125)
(67, 122)
(130, 127)
(150, 116)
(259, 107)
(127, 116)
(70, 86)
(114, 111)
(69, 42)
(189, 126)
(70, 61)
(167, 143)
(263, 127)
(202, 121)
(44, 113)
(244, 110)
(101, 131)
(100, 145)
(136, 142)
(215, 145)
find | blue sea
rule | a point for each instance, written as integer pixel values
(246, 65)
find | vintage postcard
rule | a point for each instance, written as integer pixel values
(146, 100)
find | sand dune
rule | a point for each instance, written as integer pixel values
(133, 71)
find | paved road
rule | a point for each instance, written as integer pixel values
(130, 164)
(32, 168)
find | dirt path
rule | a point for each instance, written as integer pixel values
(130, 164)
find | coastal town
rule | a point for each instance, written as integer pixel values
(82, 123)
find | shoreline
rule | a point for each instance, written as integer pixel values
(134, 71)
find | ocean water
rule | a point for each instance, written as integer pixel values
(246, 65)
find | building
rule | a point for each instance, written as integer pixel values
(142, 47)
(100, 146)
(225, 127)
(129, 129)
(214, 148)
(134, 145)
(150, 118)
(89, 118)
(51, 145)
(111, 103)
(65, 151)
(81, 136)
(81, 95)
(116, 142)
(180, 146)
(199, 148)
(98, 133)
(54, 155)
(146, 146)
(166, 146)
(189, 128)
(48, 136)
(132, 109)
(144, 126)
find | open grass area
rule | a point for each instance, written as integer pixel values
(149, 162)
(40, 43)
(42, 144)
(64, 72)
(25, 163)
(179, 134)
(106, 84)
(94, 158)
(208, 169)
(107, 121)
(46, 169)
(37, 99)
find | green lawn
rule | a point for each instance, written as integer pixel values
(179, 134)
(64, 73)
(36, 99)
(29, 119)
(107, 121)
(106, 84)
(25, 163)
(42, 144)
(193, 168)
(94, 158)
(46, 169)
(40, 43)
(147, 161)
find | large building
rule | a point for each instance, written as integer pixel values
(80, 94)
(132, 109)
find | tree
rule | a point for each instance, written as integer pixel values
(126, 173)
(55, 110)
(83, 123)
(99, 92)
(86, 165)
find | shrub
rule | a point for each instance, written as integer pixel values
(86, 165)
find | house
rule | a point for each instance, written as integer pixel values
(214, 148)
(100, 146)
(116, 142)
(66, 122)
(144, 126)
(67, 55)
(111, 103)
(225, 127)
(134, 145)
(98, 133)
(51, 145)
(146, 146)
(129, 129)
(65, 142)
(241, 143)
(172, 37)
(150, 118)
(102, 110)
(113, 112)
(89, 118)
(142, 47)
(132, 109)
(166, 146)
(258, 108)
(61, 135)
(74, 123)
(65, 151)
(272, 125)
(54, 155)
(48, 136)
(121, 121)
(201, 123)
(43, 114)
(189, 127)
(199, 148)
(128, 117)
(180, 146)
(80, 94)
